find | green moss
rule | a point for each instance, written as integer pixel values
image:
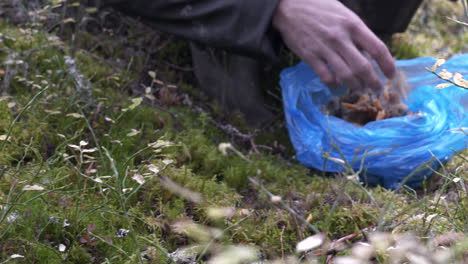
(78, 254)
(96, 195)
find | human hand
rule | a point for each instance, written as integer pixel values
(325, 32)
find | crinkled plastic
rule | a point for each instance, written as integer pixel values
(387, 152)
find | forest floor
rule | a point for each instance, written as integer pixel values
(109, 155)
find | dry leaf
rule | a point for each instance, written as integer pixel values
(91, 227)
(138, 178)
(150, 96)
(443, 85)
(276, 199)
(459, 80)
(168, 97)
(167, 161)
(160, 144)
(4, 137)
(310, 242)
(98, 180)
(337, 160)
(91, 171)
(224, 147)
(153, 168)
(69, 20)
(91, 10)
(52, 112)
(135, 102)
(235, 254)
(108, 119)
(74, 147)
(33, 188)
(133, 133)
(75, 115)
(126, 190)
(118, 142)
(91, 150)
(438, 63)
(444, 74)
(220, 212)
(180, 190)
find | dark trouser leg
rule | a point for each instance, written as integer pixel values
(233, 80)
(385, 17)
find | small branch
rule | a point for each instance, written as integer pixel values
(447, 80)
(231, 130)
(457, 21)
(254, 146)
(83, 86)
(228, 129)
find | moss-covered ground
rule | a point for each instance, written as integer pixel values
(104, 159)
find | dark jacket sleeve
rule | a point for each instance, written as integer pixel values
(240, 26)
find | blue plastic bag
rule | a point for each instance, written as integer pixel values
(386, 152)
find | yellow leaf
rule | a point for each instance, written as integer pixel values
(52, 112)
(133, 133)
(160, 144)
(135, 102)
(443, 85)
(75, 115)
(91, 10)
(69, 20)
(150, 96)
(152, 74)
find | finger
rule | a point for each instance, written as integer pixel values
(362, 67)
(343, 72)
(322, 70)
(370, 43)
